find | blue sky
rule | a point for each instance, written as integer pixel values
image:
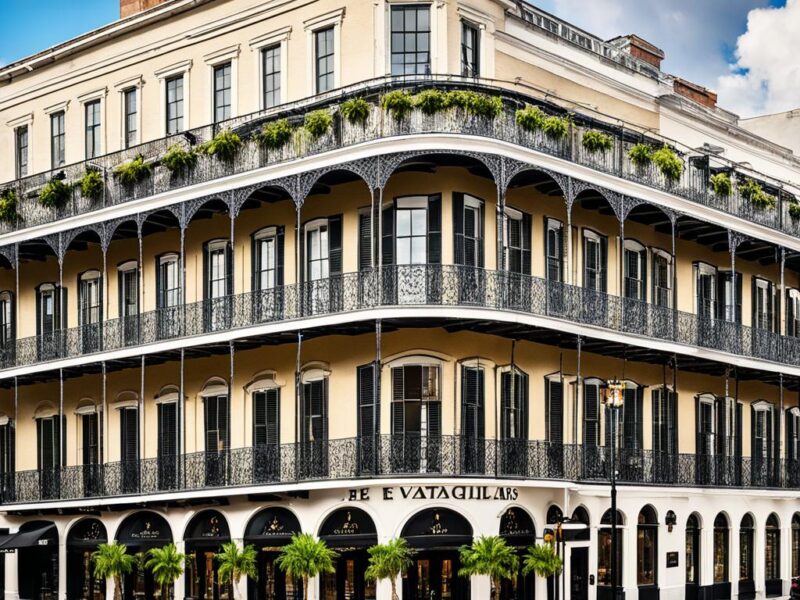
(728, 45)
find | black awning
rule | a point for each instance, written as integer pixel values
(44, 535)
(357, 540)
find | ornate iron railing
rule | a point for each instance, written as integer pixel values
(392, 456)
(400, 286)
(692, 185)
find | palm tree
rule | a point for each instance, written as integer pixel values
(492, 556)
(112, 560)
(166, 565)
(140, 564)
(235, 562)
(305, 557)
(543, 560)
(389, 561)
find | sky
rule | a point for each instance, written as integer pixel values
(746, 50)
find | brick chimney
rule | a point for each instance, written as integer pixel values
(131, 7)
(640, 48)
(695, 92)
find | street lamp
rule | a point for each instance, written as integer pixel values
(614, 399)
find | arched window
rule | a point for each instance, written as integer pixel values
(554, 515)
(692, 550)
(796, 545)
(647, 548)
(721, 549)
(746, 548)
(604, 566)
(772, 556)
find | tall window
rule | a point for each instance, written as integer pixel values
(92, 119)
(89, 298)
(473, 417)
(266, 424)
(317, 264)
(21, 138)
(635, 262)
(514, 405)
(693, 550)
(314, 424)
(271, 69)
(793, 312)
(167, 443)
(128, 283)
(169, 284)
(266, 266)
(218, 277)
(554, 408)
(7, 455)
(605, 574)
(222, 92)
(6, 319)
(554, 250)
(412, 230)
(411, 33)
(216, 422)
(131, 119)
(730, 297)
(664, 417)
(324, 59)
(594, 261)
(772, 550)
(795, 545)
(174, 104)
(517, 241)
(416, 417)
(763, 304)
(721, 548)
(662, 279)
(470, 50)
(746, 548)
(706, 290)
(57, 140)
(647, 548)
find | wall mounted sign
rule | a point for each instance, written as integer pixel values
(438, 492)
(672, 559)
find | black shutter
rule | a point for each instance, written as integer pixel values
(554, 409)
(167, 429)
(776, 436)
(722, 432)
(505, 403)
(698, 424)
(472, 414)
(458, 228)
(206, 271)
(364, 241)
(62, 314)
(482, 233)
(387, 240)
(129, 442)
(265, 417)
(159, 286)
(591, 421)
(672, 423)
(398, 408)
(757, 447)
(229, 268)
(279, 242)
(738, 440)
(367, 401)
(738, 300)
(434, 406)
(521, 388)
(435, 229)
(526, 244)
(335, 245)
(789, 330)
(603, 274)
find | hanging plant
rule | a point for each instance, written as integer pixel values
(430, 102)
(479, 105)
(398, 103)
(641, 155)
(317, 123)
(92, 185)
(721, 184)
(178, 158)
(669, 163)
(275, 134)
(530, 118)
(8, 206)
(225, 145)
(55, 194)
(596, 141)
(355, 111)
(556, 128)
(753, 192)
(132, 171)
(794, 209)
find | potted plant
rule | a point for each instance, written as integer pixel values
(235, 562)
(275, 134)
(669, 163)
(317, 123)
(355, 111)
(596, 141)
(530, 118)
(492, 556)
(430, 102)
(397, 103)
(753, 192)
(179, 159)
(794, 208)
(388, 561)
(91, 185)
(112, 561)
(641, 155)
(55, 194)
(486, 107)
(225, 145)
(721, 184)
(9, 203)
(133, 171)
(166, 564)
(542, 560)
(306, 557)
(556, 128)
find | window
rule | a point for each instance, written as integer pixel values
(793, 437)
(368, 416)
(631, 429)
(266, 423)
(314, 423)
(793, 313)
(129, 448)
(795, 545)
(131, 117)
(554, 250)
(662, 279)
(470, 50)
(218, 277)
(594, 261)
(410, 40)
(89, 298)
(772, 550)
(167, 443)
(468, 230)
(174, 105)
(763, 304)
(721, 548)
(21, 135)
(317, 264)
(706, 290)
(271, 69)
(592, 396)
(554, 408)
(216, 422)
(412, 231)
(746, 548)
(267, 245)
(324, 59)
(222, 92)
(517, 241)
(6, 319)
(705, 425)
(693, 550)
(128, 283)
(665, 431)
(7, 455)
(730, 303)
(514, 405)
(473, 428)
(647, 548)
(605, 567)
(169, 285)
(92, 119)
(416, 417)
(57, 140)
(635, 270)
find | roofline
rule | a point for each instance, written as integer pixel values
(97, 36)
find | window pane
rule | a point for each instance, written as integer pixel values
(410, 40)
(222, 92)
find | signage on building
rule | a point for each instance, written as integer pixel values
(148, 533)
(438, 492)
(672, 559)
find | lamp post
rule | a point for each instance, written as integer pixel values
(614, 398)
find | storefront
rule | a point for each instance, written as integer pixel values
(206, 533)
(140, 532)
(269, 530)
(517, 529)
(349, 531)
(436, 534)
(36, 544)
(83, 538)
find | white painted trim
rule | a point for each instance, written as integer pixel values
(129, 82)
(136, 88)
(411, 202)
(26, 119)
(222, 55)
(95, 95)
(217, 59)
(279, 37)
(55, 108)
(174, 69)
(182, 69)
(333, 19)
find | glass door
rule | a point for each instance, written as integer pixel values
(317, 266)
(411, 250)
(169, 297)
(90, 312)
(128, 277)
(217, 305)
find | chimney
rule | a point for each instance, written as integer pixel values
(640, 48)
(695, 92)
(131, 7)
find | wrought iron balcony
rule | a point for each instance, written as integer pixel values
(392, 456)
(692, 185)
(404, 286)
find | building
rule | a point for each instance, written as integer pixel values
(388, 318)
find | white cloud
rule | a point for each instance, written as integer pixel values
(766, 76)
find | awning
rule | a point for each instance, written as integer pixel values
(45, 535)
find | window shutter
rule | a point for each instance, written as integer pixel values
(224, 420)
(790, 316)
(364, 241)
(265, 417)
(631, 418)
(698, 424)
(367, 402)
(335, 244)
(755, 441)
(279, 253)
(206, 271)
(167, 429)
(435, 229)
(521, 388)
(229, 268)
(738, 440)
(790, 433)
(738, 300)
(482, 233)
(505, 403)
(212, 423)
(62, 318)
(458, 228)
(673, 422)
(472, 416)
(301, 265)
(776, 436)
(130, 433)
(722, 430)
(603, 259)
(591, 408)
(554, 409)
(398, 414)
(434, 406)
(526, 244)
(387, 239)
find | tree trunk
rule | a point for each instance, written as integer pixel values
(394, 589)
(305, 587)
(496, 582)
(117, 588)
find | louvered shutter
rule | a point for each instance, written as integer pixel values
(591, 407)
(555, 410)
(722, 430)
(632, 417)
(505, 404)
(398, 408)
(472, 402)
(434, 407)
(756, 441)
(167, 429)
(364, 241)
(603, 264)
(367, 402)
(776, 438)
(229, 268)
(526, 244)
(387, 235)
(279, 255)
(435, 229)
(738, 299)
(129, 426)
(672, 423)
(790, 434)
(521, 389)
(458, 228)
(335, 244)
(699, 447)
(206, 271)
(738, 429)
(224, 421)
(265, 417)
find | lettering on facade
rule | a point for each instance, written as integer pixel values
(274, 527)
(148, 533)
(349, 527)
(213, 527)
(436, 527)
(510, 525)
(440, 492)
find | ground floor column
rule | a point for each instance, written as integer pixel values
(481, 586)
(62, 568)
(12, 586)
(180, 582)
